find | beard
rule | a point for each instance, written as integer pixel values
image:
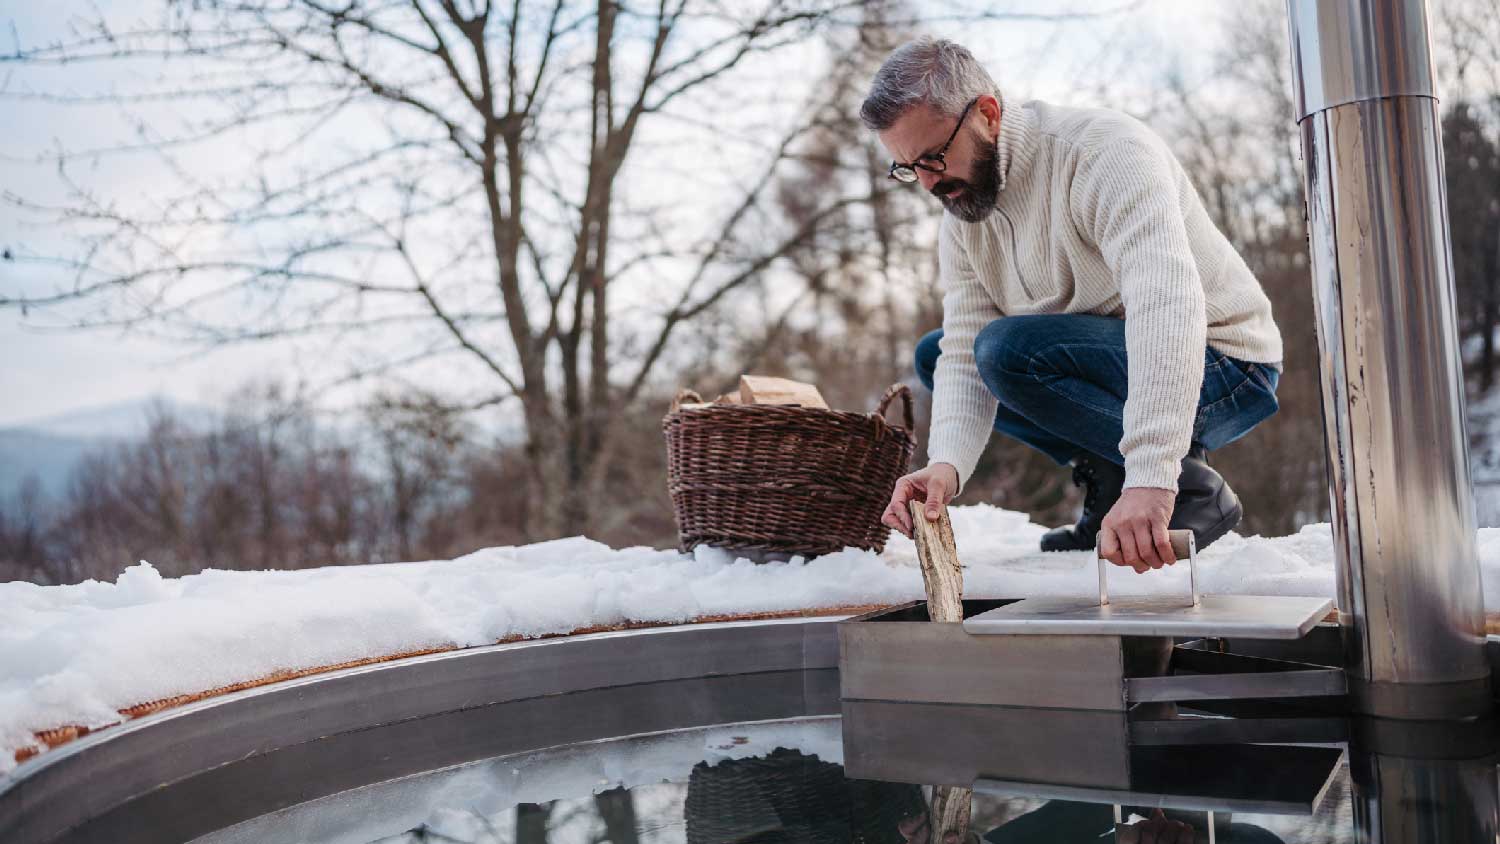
(977, 196)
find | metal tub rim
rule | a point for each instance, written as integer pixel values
(691, 669)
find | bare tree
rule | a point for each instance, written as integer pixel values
(419, 442)
(866, 271)
(1233, 129)
(1472, 168)
(263, 487)
(24, 542)
(483, 212)
(1469, 65)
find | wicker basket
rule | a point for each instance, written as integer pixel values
(787, 797)
(784, 479)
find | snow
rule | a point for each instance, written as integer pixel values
(75, 655)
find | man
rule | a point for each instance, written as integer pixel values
(1091, 308)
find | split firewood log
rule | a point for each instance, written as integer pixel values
(943, 580)
(942, 573)
(761, 389)
(951, 813)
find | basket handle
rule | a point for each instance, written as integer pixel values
(685, 396)
(906, 404)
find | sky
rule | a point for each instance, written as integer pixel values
(45, 371)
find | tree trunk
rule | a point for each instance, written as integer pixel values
(545, 471)
(531, 823)
(880, 215)
(1491, 313)
(1487, 356)
(617, 810)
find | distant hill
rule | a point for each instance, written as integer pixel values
(50, 447)
(25, 452)
(121, 420)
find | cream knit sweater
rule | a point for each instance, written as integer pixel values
(1095, 216)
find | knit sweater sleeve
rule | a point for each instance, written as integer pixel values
(1126, 198)
(963, 410)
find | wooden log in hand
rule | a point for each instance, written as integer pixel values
(943, 580)
(942, 574)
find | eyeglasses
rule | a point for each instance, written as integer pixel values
(908, 172)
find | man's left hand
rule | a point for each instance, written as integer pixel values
(1134, 532)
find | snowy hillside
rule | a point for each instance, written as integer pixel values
(76, 655)
(25, 453)
(50, 447)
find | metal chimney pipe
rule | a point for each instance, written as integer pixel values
(1397, 451)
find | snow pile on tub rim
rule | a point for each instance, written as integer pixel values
(76, 655)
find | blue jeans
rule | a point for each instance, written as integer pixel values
(1061, 382)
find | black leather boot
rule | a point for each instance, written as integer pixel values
(1101, 481)
(1205, 504)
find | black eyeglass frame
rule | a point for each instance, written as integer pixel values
(907, 173)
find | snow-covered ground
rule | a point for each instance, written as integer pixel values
(76, 655)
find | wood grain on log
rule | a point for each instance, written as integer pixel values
(942, 573)
(950, 814)
(761, 389)
(943, 578)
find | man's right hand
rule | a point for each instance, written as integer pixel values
(935, 485)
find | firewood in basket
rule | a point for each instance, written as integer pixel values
(762, 389)
(728, 398)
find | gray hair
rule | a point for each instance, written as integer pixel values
(934, 72)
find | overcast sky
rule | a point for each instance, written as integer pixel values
(47, 372)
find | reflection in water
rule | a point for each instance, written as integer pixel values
(789, 782)
(1399, 798)
(949, 815)
(791, 797)
(1069, 821)
(531, 822)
